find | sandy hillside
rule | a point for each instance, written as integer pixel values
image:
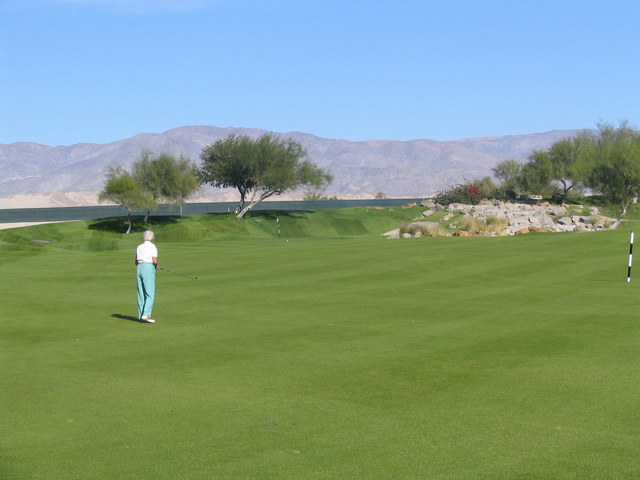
(87, 199)
(49, 199)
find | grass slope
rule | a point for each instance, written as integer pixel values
(327, 352)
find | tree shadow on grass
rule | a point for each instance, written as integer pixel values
(119, 224)
(126, 317)
(273, 214)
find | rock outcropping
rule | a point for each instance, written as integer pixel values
(512, 218)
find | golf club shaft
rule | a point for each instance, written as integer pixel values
(176, 273)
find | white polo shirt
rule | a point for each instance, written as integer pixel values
(145, 252)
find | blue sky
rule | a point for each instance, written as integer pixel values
(97, 71)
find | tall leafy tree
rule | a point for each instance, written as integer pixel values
(564, 161)
(536, 175)
(610, 163)
(259, 168)
(226, 163)
(186, 181)
(122, 189)
(508, 172)
(165, 179)
(558, 163)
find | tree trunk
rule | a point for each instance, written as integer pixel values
(565, 190)
(242, 200)
(625, 207)
(146, 216)
(129, 223)
(247, 208)
(255, 201)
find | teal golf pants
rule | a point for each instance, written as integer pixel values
(146, 273)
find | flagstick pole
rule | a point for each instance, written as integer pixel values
(630, 258)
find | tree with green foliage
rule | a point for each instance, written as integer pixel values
(165, 178)
(536, 175)
(122, 189)
(488, 187)
(609, 162)
(225, 164)
(186, 181)
(260, 168)
(558, 163)
(508, 172)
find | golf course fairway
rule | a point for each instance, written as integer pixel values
(325, 351)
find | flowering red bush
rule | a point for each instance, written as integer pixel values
(461, 193)
(474, 194)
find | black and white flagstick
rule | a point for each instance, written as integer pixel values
(630, 258)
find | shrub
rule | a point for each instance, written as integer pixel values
(426, 230)
(314, 196)
(492, 224)
(496, 224)
(467, 193)
(495, 221)
(489, 189)
(472, 225)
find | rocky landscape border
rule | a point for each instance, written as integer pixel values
(504, 218)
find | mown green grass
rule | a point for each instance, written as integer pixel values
(326, 352)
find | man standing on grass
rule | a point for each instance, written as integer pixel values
(147, 264)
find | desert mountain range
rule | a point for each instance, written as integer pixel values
(413, 168)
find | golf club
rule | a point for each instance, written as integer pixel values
(176, 273)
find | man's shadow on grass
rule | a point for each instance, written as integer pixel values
(126, 317)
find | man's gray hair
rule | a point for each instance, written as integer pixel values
(148, 236)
